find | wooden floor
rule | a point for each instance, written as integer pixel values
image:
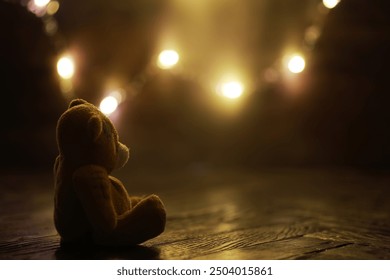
(221, 214)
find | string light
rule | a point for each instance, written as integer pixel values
(296, 64)
(52, 7)
(230, 89)
(41, 3)
(330, 4)
(108, 105)
(167, 59)
(66, 67)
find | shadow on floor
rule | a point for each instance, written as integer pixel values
(104, 253)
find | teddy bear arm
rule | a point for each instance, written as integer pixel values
(92, 187)
(133, 200)
(117, 184)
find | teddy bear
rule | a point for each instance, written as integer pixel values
(91, 206)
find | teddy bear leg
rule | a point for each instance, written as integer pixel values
(145, 221)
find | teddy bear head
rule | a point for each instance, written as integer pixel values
(86, 136)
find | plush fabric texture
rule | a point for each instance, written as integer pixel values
(90, 206)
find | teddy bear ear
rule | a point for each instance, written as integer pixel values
(76, 102)
(95, 127)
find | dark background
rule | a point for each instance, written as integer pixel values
(334, 113)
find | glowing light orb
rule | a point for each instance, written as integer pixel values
(296, 64)
(41, 3)
(330, 4)
(52, 7)
(167, 59)
(231, 90)
(65, 67)
(108, 105)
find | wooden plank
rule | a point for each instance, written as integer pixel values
(277, 214)
(32, 247)
(214, 243)
(353, 252)
(48, 248)
(362, 236)
(291, 248)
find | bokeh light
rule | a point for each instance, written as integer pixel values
(167, 59)
(52, 7)
(41, 3)
(108, 105)
(118, 94)
(330, 4)
(230, 89)
(312, 34)
(39, 9)
(65, 67)
(296, 64)
(51, 26)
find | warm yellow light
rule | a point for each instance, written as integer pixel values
(296, 64)
(118, 94)
(168, 59)
(65, 67)
(52, 7)
(41, 3)
(231, 89)
(108, 105)
(330, 4)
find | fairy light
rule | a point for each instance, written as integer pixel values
(108, 105)
(168, 59)
(41, 3)
(230, 89)
(296, 64)
(52, 7)
(66, 67)
(330, 4)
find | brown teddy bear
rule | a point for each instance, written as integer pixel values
(92, 207)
